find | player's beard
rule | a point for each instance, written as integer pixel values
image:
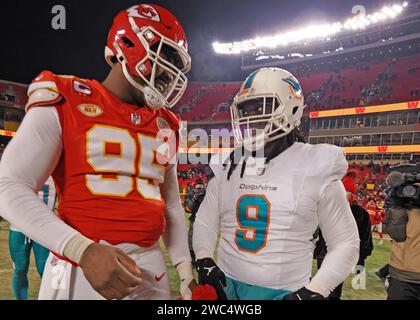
(138, 97)
(254, 135)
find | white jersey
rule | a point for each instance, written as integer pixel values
(268, 221)
(47, 194)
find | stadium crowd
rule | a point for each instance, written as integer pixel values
(361, 83)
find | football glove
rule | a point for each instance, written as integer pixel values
(209, 273)
(304, 294)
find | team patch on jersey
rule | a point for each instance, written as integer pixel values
(90, 110)
(162, 123)
(82, 88)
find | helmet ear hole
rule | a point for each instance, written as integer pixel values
(295, 109)
(127, 42)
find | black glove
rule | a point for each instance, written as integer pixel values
(209, 273)
(304, 294)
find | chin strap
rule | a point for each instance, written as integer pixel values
(153, 99)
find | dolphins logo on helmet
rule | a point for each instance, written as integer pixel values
(268, 106)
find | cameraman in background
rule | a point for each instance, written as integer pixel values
(403, 225)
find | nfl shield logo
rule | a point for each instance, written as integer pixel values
(135, 119)
(54, 261)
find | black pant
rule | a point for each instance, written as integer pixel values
(190, 237)
(400, 290)
(384, 271)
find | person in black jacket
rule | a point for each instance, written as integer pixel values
(192, 202)
(365, 234)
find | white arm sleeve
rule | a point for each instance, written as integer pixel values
(341, 235)
(175, 236)
(207, 223)
(27, 162)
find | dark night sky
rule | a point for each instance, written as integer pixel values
(29, 44)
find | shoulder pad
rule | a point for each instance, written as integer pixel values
(332, 160)
(43, 91)
(172, 118)
(217, 164)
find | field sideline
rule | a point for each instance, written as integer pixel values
(374, 288)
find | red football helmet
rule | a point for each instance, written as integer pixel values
(150, 44)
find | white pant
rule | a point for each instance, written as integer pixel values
(63, 281)
(377, 227)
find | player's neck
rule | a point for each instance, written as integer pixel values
(118, 85)
(274, 148)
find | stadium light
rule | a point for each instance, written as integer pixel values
(319, 32)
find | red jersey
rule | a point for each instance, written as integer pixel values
(113, 162)
(375, 215)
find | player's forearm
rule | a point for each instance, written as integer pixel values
(21, 206)
(175, 237)
(341, 235)
(336, 267)
(207, 223)
(204, 239)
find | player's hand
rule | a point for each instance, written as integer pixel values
(111, 272)
(304, 294)
(186, 279)
(186, 289)
(209, 273)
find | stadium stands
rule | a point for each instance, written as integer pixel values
(393, 80)
(12, 94)
(212, 99)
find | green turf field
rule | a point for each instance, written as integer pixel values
(371, 288)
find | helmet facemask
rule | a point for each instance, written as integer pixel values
(259, 119)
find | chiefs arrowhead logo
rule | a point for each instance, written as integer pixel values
(82, 88)
(144, 11)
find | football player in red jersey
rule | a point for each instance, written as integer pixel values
(109, 148)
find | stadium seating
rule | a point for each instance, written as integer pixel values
(389, 81)
(203, 101)
(13, 94)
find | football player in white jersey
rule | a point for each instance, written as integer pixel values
(268, 208)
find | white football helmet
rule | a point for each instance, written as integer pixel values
(269, 105)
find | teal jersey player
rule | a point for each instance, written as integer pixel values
(20, 247)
